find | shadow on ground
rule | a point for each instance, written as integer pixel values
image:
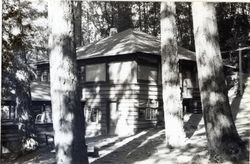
(137, 149)
(43, 155)
(192, 124)
(151, 148)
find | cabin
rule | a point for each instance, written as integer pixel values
(120, 80)
(121, 83)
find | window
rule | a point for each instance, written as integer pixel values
(96, 72)
(147, 73)
(120, 72)
(148, 113)
(45, 76)
(8, 112)
(91, 114)
(148, 109)
(45, 116)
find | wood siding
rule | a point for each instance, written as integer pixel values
(127, 97)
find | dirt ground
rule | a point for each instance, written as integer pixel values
(148, 147)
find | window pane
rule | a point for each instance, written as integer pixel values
(120, 72)
(81, 73)
(142, 113)
(147, 73)
(96, 72)
(45, 76)
(150, 114)
(91, 114)
(12, 114)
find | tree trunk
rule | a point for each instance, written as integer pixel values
(23, 114)
(222, 136)
(145, 18)
(140, 24)
(124, 20)
(191, 34)
(78, 23)
(67, 114)
(154, 20)
(175, 135)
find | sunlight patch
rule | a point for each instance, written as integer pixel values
(223, 120)
(214, 98)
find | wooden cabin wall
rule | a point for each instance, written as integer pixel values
(118, 101)
(128, 98)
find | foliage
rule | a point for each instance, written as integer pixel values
(22, 40)
(185, 25)
(99, 17)
(233, 24)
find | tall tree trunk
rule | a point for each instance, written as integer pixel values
(140, 21)
(191, 34)
(175, 135)
(68, 117)
(22, 104)
(78, 23)
(145, 25)
(22, 109)
(222, 136)
(112, 14)
(154, 21)
(124, 21)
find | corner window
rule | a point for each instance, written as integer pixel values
(120, 72)
(96, 72)
(147, 73)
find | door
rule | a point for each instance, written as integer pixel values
(112, 118)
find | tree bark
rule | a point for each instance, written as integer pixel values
(175, 135)
(191, 34)
(223, 139)
(78, 23)
(68, 117)
(145, 24)
(124, 20)
(154, 21)
(140, 21)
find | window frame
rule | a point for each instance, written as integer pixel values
(156, 81)
(47, 73)
(152, 113)
(115, 62)
(11, 112)
(144, 117)
(91, 82)
(81, 73)
(88, 114)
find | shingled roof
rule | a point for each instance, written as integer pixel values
(127, 42)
